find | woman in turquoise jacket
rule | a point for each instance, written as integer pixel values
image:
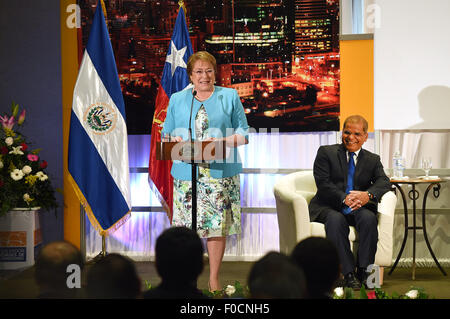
(217, 114)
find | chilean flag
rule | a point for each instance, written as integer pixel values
(174, 79)
(98, 145)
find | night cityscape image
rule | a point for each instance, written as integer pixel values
(282, 56)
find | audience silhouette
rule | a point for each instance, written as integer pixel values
(310, 272)
(51, 270)
(275, 276)
(179, 262)
(319, 260)
(113, 276)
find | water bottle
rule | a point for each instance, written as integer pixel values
(398, 165)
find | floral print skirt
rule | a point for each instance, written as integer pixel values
(218, 205)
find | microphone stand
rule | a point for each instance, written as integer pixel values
(194, 170)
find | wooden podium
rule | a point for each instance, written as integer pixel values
(195, 153)
(203, 152)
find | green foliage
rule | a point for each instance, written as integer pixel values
(377, 293)
(148, 285)
(14, 109)
(363, 293)
(380, 294)
(239, 291)
(348, 293)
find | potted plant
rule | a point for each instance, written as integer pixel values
(25, 187)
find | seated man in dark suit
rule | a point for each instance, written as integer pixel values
(350, 182)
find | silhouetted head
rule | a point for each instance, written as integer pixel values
(319, 260)
(179, 255)
(275, 276)
(113, 276)
(51, 269)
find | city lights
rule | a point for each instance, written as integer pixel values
(281, 56)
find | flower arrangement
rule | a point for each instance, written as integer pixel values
(347, 293)
(23, 181)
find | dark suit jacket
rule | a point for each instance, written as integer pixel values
(330, 173)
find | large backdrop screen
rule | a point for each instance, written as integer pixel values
(281, 56)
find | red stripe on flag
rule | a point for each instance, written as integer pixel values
(160, 178)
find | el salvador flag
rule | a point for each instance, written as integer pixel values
(98, 146)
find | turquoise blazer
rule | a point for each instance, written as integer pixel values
(226, 117)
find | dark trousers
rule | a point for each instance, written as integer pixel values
(337, 230)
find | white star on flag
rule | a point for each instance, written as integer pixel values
(175, 58)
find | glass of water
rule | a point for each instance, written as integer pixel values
(426, 165)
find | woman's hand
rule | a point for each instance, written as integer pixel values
(171, 139)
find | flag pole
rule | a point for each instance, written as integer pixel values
(101, 254)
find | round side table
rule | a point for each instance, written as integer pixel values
(413, 194)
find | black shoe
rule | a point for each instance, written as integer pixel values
(351, 281)
(362, 276)
(340, 282)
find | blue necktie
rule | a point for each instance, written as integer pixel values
(351, 171)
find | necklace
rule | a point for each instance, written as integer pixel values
(201, 100)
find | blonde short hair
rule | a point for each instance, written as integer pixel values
(200, 55)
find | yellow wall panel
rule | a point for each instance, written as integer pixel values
(69, 60)
(357, 80)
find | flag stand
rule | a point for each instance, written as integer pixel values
(101, 254)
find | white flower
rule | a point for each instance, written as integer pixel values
(42, 177)
(339, 292)
(26, 169)
(9, 141)
(412, 294)
(230, 290)
(16, 150)
(16, 174)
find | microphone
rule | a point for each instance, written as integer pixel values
(194, 93)
(191, 138)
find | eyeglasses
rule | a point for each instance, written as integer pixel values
(201, 72)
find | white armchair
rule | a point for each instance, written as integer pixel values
(293, 192)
